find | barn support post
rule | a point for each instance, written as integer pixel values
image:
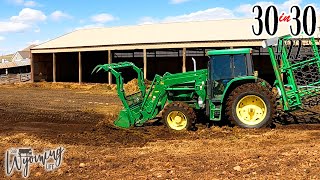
(145, 63)
(109, 62)
(32, 67)
(184, 58)
(54, 67)
(80, 68)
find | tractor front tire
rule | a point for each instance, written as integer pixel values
(179, 116)
(251, 105)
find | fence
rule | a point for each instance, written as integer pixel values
(15, 78)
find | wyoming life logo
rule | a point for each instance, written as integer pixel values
(20, 159)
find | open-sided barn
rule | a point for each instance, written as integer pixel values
(157, 48)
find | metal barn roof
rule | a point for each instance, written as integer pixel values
(166, 35)
(14, 64)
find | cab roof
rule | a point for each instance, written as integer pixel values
(229, 51)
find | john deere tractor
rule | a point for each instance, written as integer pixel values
(229, 89)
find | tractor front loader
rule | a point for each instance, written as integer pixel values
(229, 89)
(184, 89)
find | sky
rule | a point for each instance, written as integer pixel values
(26, 22)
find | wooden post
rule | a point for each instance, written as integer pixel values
(145, 63)
(80, 68)
(54, 68)
(109, 62)
(32, 67)
(184, 58)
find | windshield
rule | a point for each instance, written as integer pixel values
(221, 68)
(228, 66)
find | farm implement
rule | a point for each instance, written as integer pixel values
(228, 89)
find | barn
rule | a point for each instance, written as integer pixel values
(156, 48)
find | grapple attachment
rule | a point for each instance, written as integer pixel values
(131, 103)
(296, 63)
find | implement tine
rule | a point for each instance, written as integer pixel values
(97, 69)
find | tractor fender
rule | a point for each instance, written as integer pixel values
(231, 85)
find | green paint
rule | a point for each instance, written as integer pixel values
(229, 51)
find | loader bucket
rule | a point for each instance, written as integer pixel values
(123, 120)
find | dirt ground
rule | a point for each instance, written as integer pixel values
(80, 120)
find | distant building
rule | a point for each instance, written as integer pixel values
(20, 62)
(21, 56)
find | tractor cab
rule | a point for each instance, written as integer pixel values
(225, 65)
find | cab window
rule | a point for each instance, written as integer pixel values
(240, 65)
(221, 67)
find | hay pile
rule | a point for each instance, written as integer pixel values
(132, 86)
(59, 85)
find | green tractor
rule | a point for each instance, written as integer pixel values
(229, 89)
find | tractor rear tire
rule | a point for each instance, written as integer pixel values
(251, 105)
(179, 116)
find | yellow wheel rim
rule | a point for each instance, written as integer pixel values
(251, 110)
(177, 120)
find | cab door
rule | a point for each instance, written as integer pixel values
(223, 69)
(221, 73)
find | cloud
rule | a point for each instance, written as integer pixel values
(178, 1)
(37, 30)
(246, 9)
(25, 3)
(147, 20)
(242, 11)
(26, 20)
(208, 14)
(102, 18)
(29, 16)
(19, 2)
(59, 15)
(12, 27)
(97, 21)
(288, 4)
(30, 3)
(89, 26)
(2, 38)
